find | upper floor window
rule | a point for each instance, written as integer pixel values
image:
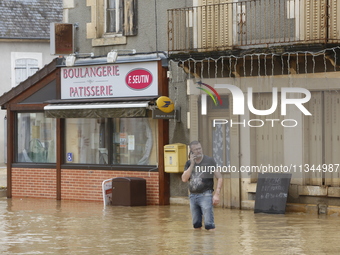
(23, 65)
(24, 68)
(119, 21)
(114, 16)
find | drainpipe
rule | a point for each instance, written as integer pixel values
(5, 139)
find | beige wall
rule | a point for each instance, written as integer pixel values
(286, 146)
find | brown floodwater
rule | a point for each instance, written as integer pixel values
(39, 226)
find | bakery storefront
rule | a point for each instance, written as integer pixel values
(71, 127)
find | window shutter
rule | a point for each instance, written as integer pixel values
(130, 17)
(331, 117)
(214, 24)
(24, 68)
(333, 25)
(316, 20)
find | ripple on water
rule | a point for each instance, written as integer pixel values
(39, 226)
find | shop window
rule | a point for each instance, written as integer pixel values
(86, 141)
(36, 138)
(133, 141)
(119, 21)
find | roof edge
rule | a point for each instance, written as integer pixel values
(24, 38)
(122, 58)
(29, 82)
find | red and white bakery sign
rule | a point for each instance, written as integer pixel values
(114, 80)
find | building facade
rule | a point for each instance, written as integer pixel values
(87, 117)
(275, 67)
(71, 132)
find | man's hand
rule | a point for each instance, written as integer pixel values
(187, 173)
(216, 199)
(192, 158)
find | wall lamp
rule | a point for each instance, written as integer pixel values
(71, 59)
(113, 55)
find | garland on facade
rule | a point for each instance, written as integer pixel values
(256, 64)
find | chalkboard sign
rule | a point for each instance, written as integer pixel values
(272, 193)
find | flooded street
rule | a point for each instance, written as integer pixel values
(38, 226)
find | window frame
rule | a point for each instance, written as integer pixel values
(23, 55)
(16, 141)
(119, 14)
(111, 132)
(96, 30)
(64, 164)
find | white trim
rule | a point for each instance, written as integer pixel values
(95, 106)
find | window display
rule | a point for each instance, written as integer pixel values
(36, 138)
(87, 141)
(133, 141)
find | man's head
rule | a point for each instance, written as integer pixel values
(196, 149)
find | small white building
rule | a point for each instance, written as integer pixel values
(24, 44)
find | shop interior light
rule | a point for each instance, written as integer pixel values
(113, 55)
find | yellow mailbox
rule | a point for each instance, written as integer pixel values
(175, 156)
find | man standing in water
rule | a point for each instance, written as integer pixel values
(201, 186)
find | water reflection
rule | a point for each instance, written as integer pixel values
(37, 226)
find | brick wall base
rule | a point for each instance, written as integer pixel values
(30, 182)
(87, 184)
(76, 184)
